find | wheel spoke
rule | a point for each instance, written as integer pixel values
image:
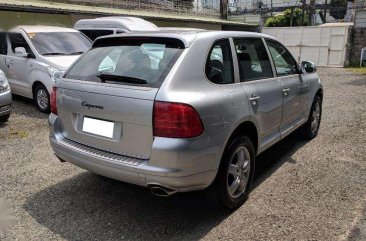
(246, 165)
(234, 170)
(241, 156)
(234, 186)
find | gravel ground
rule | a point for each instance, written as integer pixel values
(303, 190)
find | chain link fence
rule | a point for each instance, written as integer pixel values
(209, 8)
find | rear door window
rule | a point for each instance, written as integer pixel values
(127, 61)
(219, 65)
(3, 44)
(253, 59)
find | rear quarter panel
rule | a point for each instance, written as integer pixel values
(221, 107)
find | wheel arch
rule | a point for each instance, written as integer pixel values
(246, 128)
(34, 86)
(319, 93)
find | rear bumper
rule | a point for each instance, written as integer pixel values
(132, 170)
(5, 103)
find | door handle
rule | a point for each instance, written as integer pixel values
(286, 90)
(253, 99)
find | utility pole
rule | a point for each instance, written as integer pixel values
(271, 8)
(303, 11)
(325, 11)
(223, 9)
(311, 13)
(292, 17)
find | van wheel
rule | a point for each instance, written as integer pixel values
(311, 127)
(235, 176)
(42, 98)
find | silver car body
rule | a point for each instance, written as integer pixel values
(24, 72)
(5, 100)
(134, 155)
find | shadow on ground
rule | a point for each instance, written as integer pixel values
(90, 207)
(26, 107)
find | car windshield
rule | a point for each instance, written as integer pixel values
(59, 43)
(129, 62)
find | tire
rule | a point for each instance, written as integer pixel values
(243, 173)
(311, 127)
(4, 118)
(42, 98)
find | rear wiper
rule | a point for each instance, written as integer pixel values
(45, 54)
(117, 78)
(76, 53)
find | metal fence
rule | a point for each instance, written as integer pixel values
(210, 8)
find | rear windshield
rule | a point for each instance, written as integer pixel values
(59, 43)
(128, 61)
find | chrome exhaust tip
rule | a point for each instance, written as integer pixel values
(161, 191)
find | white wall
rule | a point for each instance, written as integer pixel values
(325, 46)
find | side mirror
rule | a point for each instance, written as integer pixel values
(21, 52)
(308, 67)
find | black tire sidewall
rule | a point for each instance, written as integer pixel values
(221, 189)
(308, 133)
(5, 118)
(38, 88)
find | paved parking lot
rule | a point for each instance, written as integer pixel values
(303, 190)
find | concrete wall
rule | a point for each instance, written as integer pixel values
(357, 41)
(360, 19)
(324, 45)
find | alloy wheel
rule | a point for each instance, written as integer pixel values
(42, 99)
(238, 172)
(315, 118)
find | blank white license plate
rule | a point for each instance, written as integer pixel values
(98, 127)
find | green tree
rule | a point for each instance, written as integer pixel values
(284, 19)
(338, 9)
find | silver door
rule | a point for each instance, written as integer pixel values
(294, 88)
(18, 68)
(262, 87)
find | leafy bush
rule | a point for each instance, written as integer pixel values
(338, 9)
(284, 19)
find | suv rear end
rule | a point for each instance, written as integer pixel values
(106, 118)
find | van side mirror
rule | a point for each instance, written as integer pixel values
(21, 52)
(308, 67)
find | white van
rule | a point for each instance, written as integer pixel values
(94, 28)
(34, 57)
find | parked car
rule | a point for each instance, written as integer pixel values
(97, 27)
(5, 98)
(197, 119)
(34, 57)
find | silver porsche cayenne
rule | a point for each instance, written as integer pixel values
(182, 111)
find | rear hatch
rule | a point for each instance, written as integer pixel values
(106, 99)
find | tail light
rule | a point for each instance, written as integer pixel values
(176, 120)
(53, 100)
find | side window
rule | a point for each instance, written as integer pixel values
(17, 40)
(219, 65)
(253, 59)
(3, 44)
(284, 63)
